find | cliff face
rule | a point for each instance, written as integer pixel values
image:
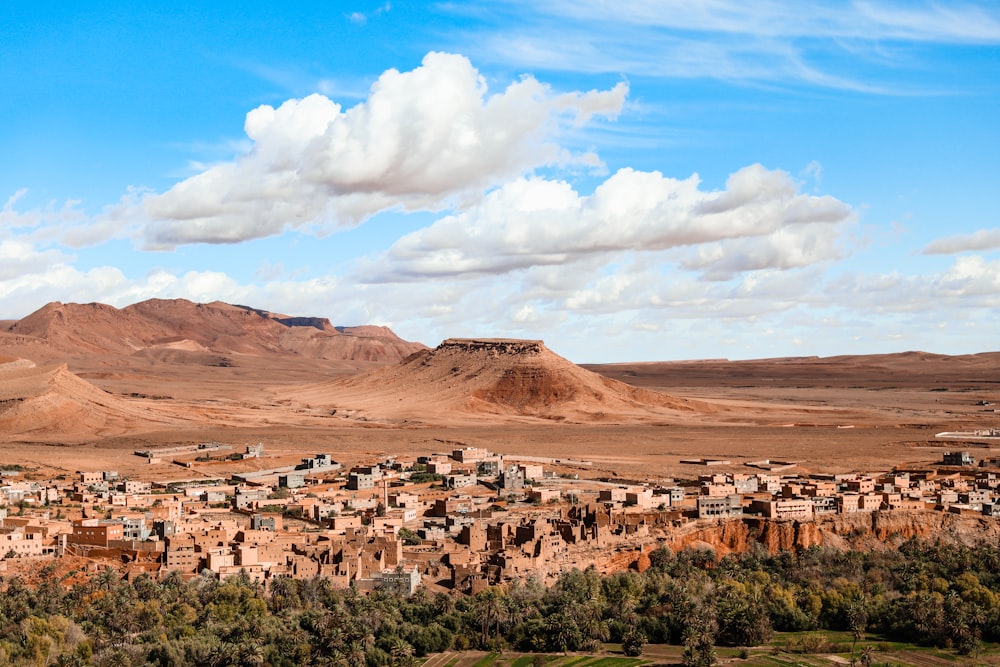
(493, 347)
(867, 531)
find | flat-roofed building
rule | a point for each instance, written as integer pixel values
(642, 498)
(439, 467)
(957, 459)
(715, 507)
(615, 495)
(19, 542)
(785, 508)
(860, 485)
(460, 481)
(94, 532)
(470, 454)
(359, 481)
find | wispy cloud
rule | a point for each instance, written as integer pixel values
(921, 21)
(982, 240)
(762, 42)
(361, 18)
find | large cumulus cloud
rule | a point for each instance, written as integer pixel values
(420, 139)
(759, 221)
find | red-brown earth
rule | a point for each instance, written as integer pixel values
(107, 380)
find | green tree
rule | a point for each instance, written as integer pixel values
(633, 643)
(857, 622)
(699, 639)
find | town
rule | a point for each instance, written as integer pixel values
(460, 520)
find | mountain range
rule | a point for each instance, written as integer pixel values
(80, 372)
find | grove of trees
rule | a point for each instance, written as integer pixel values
(931, 593)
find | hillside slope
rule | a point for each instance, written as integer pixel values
(483, 378)
(175, 326)
(49, 402)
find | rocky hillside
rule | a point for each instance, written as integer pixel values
(873, 530)
(175, 327)
(491, 377)
(42, 403)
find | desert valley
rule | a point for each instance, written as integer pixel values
(170, 438)
(86, 383)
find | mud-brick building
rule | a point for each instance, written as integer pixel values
(96, 532)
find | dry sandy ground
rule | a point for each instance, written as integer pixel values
(856, 413)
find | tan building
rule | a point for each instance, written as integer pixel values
(88, 478)
(848, 503)
(861, 485)
(616, 495)
(182, 560)
(531, 470)
(470, 455)
(17, 542)
(789, 508)
(642, 498)
(820, 490)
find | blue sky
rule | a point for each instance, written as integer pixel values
(649, 180)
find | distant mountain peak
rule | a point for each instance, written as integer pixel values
(216, 326)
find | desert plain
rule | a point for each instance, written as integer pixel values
(83, 386)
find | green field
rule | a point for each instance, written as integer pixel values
(480, 659)
(805, 649)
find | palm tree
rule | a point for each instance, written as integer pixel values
(491, 611)
(107, 579)
(401, 652)
(857, 620)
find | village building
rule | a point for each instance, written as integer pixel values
(715, 507)
(787, 508)
(957, 459)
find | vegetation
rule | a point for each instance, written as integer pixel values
(930, 594)
(408, 537)
(424, 477)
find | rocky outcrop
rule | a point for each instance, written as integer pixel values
(864, 530)
(493, 347)
(496, 377)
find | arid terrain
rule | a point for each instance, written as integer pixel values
(82, 385)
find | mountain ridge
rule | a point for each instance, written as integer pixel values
(216, 327)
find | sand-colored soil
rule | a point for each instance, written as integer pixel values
(80, 409)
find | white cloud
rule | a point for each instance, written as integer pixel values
(638, 305)
(768, 41)
(20, 259)
(970, 283)
(761, 218)
(984, 239)
(419, 139)
(791, 247)
(930, 22)
(43, 219)
(66, 224)
(360, 18)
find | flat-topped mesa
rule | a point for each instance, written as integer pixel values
(494, 346)
(498, 378)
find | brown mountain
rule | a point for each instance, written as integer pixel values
(464, 378)
(184, 332)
